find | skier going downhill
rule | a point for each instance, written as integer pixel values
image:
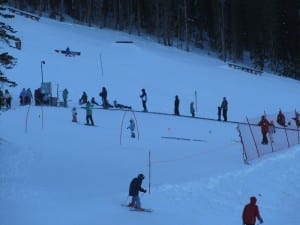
(134, 189)
(132, 127)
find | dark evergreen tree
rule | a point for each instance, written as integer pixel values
(7, 61)
(266, 30)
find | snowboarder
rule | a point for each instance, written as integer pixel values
(224, 106)
(281, 119)
(120, 106)
(74, 115)
(143, 96)
(89, 114)
(192, 109)
(264, 124)
(68, 51)
(83, 99)
(132, 127)
(251, 212)
(134, 189)
(272, 131)
(65, 97)
(176, 106)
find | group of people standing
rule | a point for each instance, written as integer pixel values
(268, 127)
(25, 96)
(222, 109)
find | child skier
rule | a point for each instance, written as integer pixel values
(134, 188)
(131, 127)
(272, 131)
(74, 115)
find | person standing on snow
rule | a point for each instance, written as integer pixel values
(83, 99)
(65, 97)
(134, 188)
(103, 95)
(132, 127)
(7, 98)
(251, 212)
(264, 124)
(272, 131)
(23, 96)
(89, 114)
(74, 115)
(192, 109)
(28, 96)
(176, 106)
(143, 96)
(281, 118)
(224, 107)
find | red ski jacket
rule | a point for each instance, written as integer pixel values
(264, 124)
(251, 212)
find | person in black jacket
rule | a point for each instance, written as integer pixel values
(224, 107)
(134, 188)
(143, 96)
(176, 106)
(83, 99)
(103, 95)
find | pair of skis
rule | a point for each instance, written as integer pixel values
(137, 210)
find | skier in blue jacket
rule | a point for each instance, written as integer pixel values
(132, 127)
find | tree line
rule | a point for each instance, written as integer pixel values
(264, 33)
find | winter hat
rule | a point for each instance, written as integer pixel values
(253, 199)
(141, 176)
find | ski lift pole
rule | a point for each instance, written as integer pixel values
(149, 172)
(196, 101)
(42, 70)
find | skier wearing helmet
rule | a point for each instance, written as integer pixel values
(134, 188)
(251, 212)
(132, 127)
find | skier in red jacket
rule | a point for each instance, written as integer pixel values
(264, 124)
(251, 212)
